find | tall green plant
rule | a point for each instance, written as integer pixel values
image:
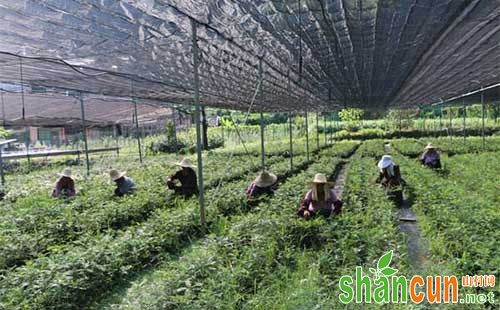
(4, 133)
(170, 132)
(400, 119)
(352, 116)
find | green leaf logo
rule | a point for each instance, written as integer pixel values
(385, 260)
(388, 271)
(383, 268)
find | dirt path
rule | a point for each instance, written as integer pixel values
(340, 179)
(408, 223)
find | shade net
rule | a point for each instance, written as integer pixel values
(317, 55)
(50, 109)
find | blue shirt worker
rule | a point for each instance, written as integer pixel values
(124, 184)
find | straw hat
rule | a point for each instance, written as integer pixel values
(320, 178)
(385, 162)
(115, 174)
(265, 179)
(430, 147)
(186, 163)
(66, 173)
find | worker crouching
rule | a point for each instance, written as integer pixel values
(124, 184)
(65, 185)
(321, 199)
(390, 178)
(431, 157)
(187, 177)
(262, 185)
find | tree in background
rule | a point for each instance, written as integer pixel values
(299, 122)
(170, 133)
(4, 133)
(352, 117)
(399, 119)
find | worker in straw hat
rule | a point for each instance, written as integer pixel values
(124, 184)
(390, 178)
(321, 199)
(431, 157)
(65, 185)
(187, 177)
(262, 185)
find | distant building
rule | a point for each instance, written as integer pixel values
(55, 119)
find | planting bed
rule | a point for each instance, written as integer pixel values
(148, 251)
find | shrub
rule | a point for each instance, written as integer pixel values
(353, 118)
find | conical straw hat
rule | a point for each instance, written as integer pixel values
(66, 173)
(430, 146)
(265, 179)
(186, 163)
(320, 178)
(115, 174)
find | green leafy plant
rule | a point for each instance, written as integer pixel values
(352, 116)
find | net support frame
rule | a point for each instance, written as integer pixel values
(137, 131)
(196, 59)
(261, 100)
(84, 134)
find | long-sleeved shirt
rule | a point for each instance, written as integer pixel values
(331, 206)
(386, 179)
(189, 184)
(254, 190)
(431, 159)
(64, 186)
(124, 186)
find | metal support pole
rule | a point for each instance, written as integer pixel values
(27, 142)
(23, 113)
(222, 133)
(333, 127)
(115, 135)
(262, 150)
(84, 128)
(175, 132)
(482, 115)
(290, 129)
(441, 118)
(339, 123)
(464, 112)
(324, 128)
(1, 168)
(451, 121)
(330, 131)
(261, 101)
(400, 123)
(317, 131)
(198, 125)
(307, 138)
(336, 125)
(137, 132)
(3, 110)
(290, 123)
